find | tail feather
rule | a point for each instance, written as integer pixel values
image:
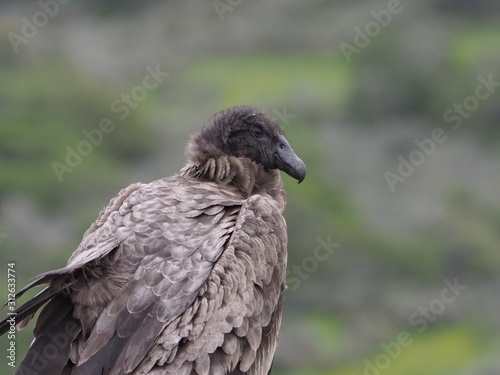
(49, 353)
(26, 311)
(44, 278)
(39, 280)
(52, 314)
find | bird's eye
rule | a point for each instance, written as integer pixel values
(257, 131)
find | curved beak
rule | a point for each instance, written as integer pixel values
(287, 161)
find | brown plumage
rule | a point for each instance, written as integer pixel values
(182, 275)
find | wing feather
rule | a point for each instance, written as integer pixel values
(180, 240)
(178, 275)
(235, 317)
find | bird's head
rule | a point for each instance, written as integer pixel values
(246, 132)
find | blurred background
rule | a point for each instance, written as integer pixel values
(394, 106)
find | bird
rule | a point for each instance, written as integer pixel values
(183, 275)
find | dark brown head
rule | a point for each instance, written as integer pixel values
(246, 132)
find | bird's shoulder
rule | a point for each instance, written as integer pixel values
(183, 245)
(143, 207)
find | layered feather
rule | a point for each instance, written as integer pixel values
(183, 275)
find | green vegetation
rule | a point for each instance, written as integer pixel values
(347, 121)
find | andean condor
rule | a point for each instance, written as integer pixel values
(183, 275)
